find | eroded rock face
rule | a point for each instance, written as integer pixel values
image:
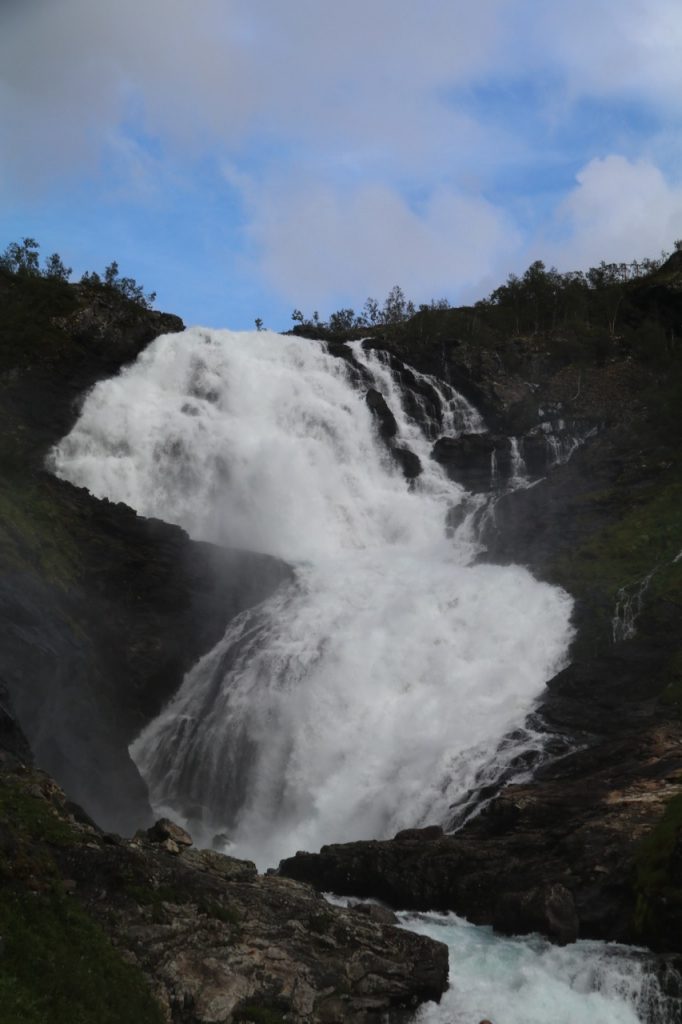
(387, 428)
(378, 406)
(474, 460)
(409, 462)
(101, 611)
(563, 854)
(214, 939)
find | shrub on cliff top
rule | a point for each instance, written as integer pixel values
(22, 258)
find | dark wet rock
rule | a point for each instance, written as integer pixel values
(420, 399)
(430, 832)
(387, 426)
(409, 462)
(547, 909)
(604, 520)
(101, 611)
(12, 738)
(564, 854)
(478, 462)
(537, 454)
(356, 371)
(165, 829)
(377, 912)
(386, 422)
(91, 649)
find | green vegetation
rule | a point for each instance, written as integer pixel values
(125, 286)
(644, 539)
(321, 922)
(33, 534)
(598, 301)
(32, 307)
(219, 912)
(22, 259)
(57, 967)
(32, 819)
(396, 309)
(672, 694)
(658, 882)
(56, 964)
(148, 896)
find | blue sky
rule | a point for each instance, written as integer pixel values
(245, 157)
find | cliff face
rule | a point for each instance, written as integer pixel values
(101, 611)
(591, 846)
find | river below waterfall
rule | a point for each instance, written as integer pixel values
(372, 691)
(527, 980)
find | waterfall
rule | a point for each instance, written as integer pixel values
(527, 980)
(629, 601)
(519, 473)
(368, 693)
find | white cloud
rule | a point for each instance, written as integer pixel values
(215, 73)
(619, 210)
(370, 86)
(630, 49)
(329, 118)
(319, 246)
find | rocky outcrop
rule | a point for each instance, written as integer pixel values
(101, 612)
(99, 621)
(591, 846)
(563, 854)
(409, 462)
(214, 941)
(386, 422)
(387, 428)
(476, 461)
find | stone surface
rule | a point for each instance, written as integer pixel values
(165, 829)
(468, 459)
(386, 422)
(216, 941)
(559, 854)
(409, 462)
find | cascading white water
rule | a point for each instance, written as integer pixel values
(457, 415)
(519, 473)
(527, 980)
(365, 695)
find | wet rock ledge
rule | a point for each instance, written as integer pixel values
(168, 933)
(590, 848)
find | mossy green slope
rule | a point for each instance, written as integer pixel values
(658, 880)
(56, 965)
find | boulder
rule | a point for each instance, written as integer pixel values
(386, 421)
(479, 462)
(409, 462)
(165, 829)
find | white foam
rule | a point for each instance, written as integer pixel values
(367, 694)
(527, 980)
